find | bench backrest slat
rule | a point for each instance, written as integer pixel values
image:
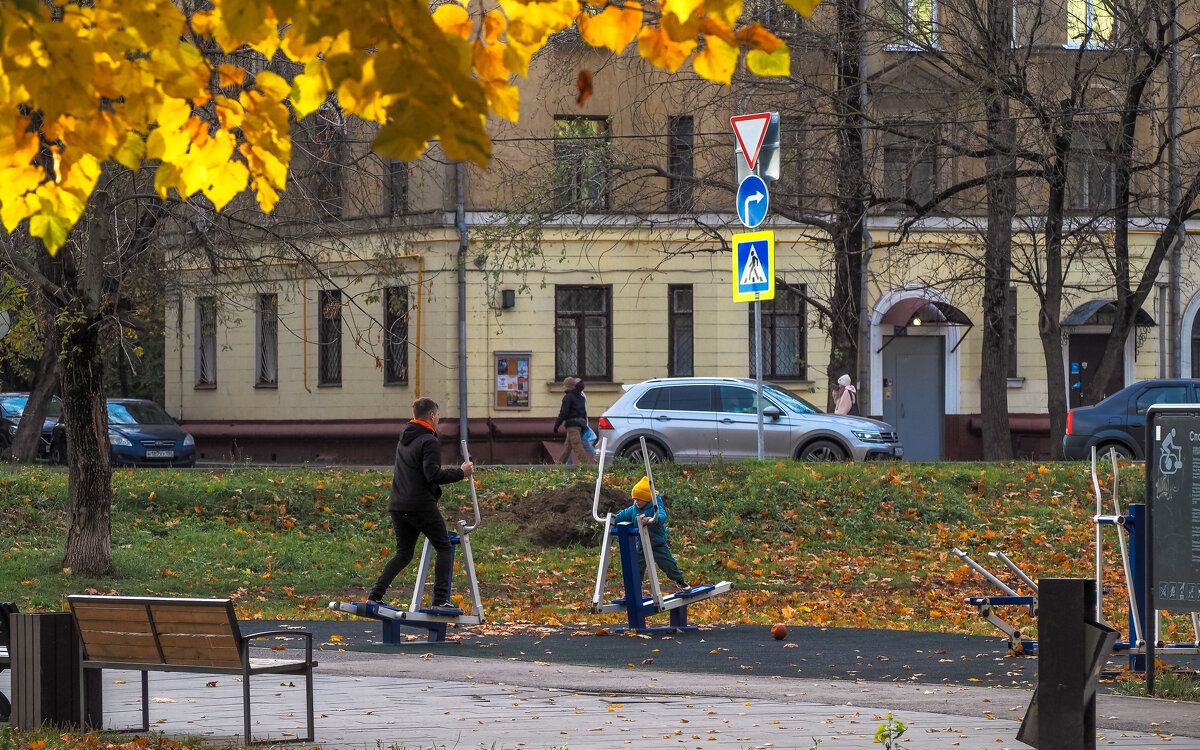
(147, 630)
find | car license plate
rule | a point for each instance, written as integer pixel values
(899, 451)
(160, 454)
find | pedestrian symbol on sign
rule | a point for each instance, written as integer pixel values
(753, 272)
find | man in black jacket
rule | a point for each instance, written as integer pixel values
(573, 415)
(416, 487)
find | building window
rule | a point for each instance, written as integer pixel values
(783, 334)
(787, 190)
(910, 172)
(583, 332)
(206, 342)
(396, 184)
(1091, 172)
(329, 348)
(266, 369)
(910, 23)
(1089, 22)
(1011, 308)
(319, 149)
(395, 332)
(680, 357)
(680, 142)
(581, 170)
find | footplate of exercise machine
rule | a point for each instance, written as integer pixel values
(434, 621)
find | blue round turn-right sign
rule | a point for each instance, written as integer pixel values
(752, 200)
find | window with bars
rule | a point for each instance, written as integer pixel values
(583, 332)
(1089, 21)
(1091, 170)
(910, 23)
(783, 334)
(396, 183)
(395, 332)
(910, 171)
(680, 163)
(329, 346)
(206, 342)
(680, 357)
(581, 163)
(319, 146)
(266, 369)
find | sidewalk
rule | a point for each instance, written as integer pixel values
(437, 700)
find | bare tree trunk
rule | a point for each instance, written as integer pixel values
(1050, 313)
(845, 304)
(29, 432)
(89, 484)
(1001, 207)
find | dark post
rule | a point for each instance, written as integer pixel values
(1072, 649)
(44, 649)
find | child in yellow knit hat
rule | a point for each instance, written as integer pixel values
(645, 504)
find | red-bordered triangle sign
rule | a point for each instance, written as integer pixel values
(751, 130)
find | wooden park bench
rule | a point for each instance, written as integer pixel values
(179, 635)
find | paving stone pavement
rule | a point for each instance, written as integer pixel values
(438, 701)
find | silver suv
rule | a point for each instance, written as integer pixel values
(692, 420)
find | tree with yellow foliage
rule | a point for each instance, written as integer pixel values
(98, 90)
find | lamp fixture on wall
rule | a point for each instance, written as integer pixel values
(508, 298)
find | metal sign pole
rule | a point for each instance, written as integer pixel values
(758, 369)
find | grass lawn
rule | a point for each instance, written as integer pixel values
(860, 545)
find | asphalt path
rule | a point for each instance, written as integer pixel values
(744, 650)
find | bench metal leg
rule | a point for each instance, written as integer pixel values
(246, 706)
(308, 689)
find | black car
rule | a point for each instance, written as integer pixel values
(140, 433)
(1119, 421)
(12, 407)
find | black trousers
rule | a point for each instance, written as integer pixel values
(408, 525)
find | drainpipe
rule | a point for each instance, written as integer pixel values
(460, 215)
(1174, 345)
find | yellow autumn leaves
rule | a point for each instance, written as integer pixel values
(125, 81)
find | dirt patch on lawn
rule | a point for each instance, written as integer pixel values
(560, 518)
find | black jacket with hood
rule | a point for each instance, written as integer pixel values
(573, 412)
(417, 479)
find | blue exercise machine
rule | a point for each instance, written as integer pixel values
(636, 606)
(432, 621)
(1132, 529)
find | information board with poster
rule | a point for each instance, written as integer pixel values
(511, 372)
(1173, 503)
(1173, 516)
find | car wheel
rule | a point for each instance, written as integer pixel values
(656, 452)
(58, 454)
(1123, 452)
(822, 450)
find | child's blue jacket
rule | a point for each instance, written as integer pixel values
(657, 531)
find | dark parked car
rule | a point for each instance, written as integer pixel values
(1119, 421)
(12, 407)
(140, 433)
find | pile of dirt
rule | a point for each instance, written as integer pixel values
(560, 518)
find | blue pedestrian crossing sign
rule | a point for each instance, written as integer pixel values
(753, 266)
(752, 200)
